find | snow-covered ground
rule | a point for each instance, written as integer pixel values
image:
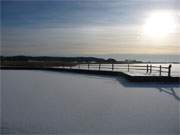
(45, 102)
(135, 71)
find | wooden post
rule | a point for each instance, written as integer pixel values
(128, 67)
(88, 66)
(169, 70)
(160, 70)
(99, 66)
(150, 68)
(147, 68)
(112, 66)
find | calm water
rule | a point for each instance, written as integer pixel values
(40, 102)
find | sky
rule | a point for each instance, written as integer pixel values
(87, 27)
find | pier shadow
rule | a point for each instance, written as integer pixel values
(161, 87)
(167, 88)
(170, 91)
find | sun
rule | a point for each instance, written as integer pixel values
(159, 25)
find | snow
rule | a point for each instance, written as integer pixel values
(45, 102)
(175, 71)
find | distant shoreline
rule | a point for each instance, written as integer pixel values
(45, 61)
(56, 61)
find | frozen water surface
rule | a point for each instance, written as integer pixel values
(40, 102)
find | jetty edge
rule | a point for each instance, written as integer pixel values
(130, 78)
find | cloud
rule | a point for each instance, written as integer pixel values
(67, 27)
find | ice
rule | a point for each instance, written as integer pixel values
(45, 102)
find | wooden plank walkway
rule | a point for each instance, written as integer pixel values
(100, 70)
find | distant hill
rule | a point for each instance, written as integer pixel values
(47, 58)
(64, 59)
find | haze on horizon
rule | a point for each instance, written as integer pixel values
(67, 27)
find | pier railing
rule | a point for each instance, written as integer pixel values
(147, 68)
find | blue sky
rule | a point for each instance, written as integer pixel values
(67, 27)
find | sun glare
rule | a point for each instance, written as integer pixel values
(159, 25)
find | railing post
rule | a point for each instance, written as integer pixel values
(169, 70)
(99, 66)
(128, 67)
(88, 66)
(147, 68)
(112, 66)
(160, 70)
(150, 68)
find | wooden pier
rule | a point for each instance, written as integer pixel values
(148, 68)
(163, 73)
